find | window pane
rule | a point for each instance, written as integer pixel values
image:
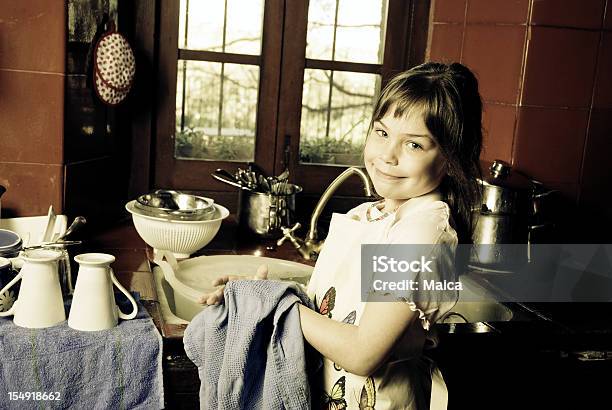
(358, 27)
(216, 107)
(360, 31)
(203, 25)
(336, 134)
(240, 86)
(244, 26)
(320, 34)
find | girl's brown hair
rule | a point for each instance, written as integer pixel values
(448, 97)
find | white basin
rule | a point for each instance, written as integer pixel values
(198, 273)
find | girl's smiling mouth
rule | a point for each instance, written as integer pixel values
(385, 176)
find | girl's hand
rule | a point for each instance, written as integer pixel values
(216, 297)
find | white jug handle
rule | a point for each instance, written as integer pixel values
(11, 311)
(129, 296)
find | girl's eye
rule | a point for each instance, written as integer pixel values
(382, 133)
(413, 146)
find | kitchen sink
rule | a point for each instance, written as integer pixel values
(476, 303)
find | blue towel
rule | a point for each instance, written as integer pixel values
(250, 351)
(119, 368)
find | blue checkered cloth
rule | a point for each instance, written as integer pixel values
(250, 351)
(119, 368)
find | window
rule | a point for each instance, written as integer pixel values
(281, 83)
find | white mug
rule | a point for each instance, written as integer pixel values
(93, 303)
(40, 303)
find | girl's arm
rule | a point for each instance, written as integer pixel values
(359, 349)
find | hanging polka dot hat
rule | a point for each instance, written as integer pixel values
(114, 67)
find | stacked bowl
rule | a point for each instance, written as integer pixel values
(175, 221)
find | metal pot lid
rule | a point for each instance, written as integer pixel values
(500, 174)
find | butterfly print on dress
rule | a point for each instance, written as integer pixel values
(328, 302)
(368, 395)
(335, 400)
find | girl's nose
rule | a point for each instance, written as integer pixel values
(388, 154)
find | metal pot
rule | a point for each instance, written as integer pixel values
(493, 236)
(504, 192)
(263, 214)
(505, 216)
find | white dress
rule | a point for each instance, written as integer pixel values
(404, 381)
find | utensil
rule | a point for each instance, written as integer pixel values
(284, 176)
(225, 177)
(93, 304)
(40, 302)
(55, 244)
(48, 232)
(246, 179)
(76, 224)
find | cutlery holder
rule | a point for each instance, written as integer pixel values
(263, 214)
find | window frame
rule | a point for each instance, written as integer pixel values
(280, 92)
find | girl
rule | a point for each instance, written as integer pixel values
(422, 155)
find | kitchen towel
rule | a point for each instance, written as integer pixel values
(250, 351)
(119, 368)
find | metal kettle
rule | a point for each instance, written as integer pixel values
(505, 216)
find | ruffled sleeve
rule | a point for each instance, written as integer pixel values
(430, 234)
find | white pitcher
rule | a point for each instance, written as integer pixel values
(40, 302)
(93, 303)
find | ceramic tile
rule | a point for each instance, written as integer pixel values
(498, 134)
(449, 11)
(549, 143)
(497, 11)
(30, 189)
(446, 43)
(603, 85)
(560, 76)
(568, 13)
(598, 149)
(31, 117)
(495, 54)
(33, 35)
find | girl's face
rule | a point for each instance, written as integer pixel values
(402, 158)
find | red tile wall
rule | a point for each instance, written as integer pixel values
(543, 68)
(32, 76)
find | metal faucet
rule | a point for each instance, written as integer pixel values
(310, 247)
